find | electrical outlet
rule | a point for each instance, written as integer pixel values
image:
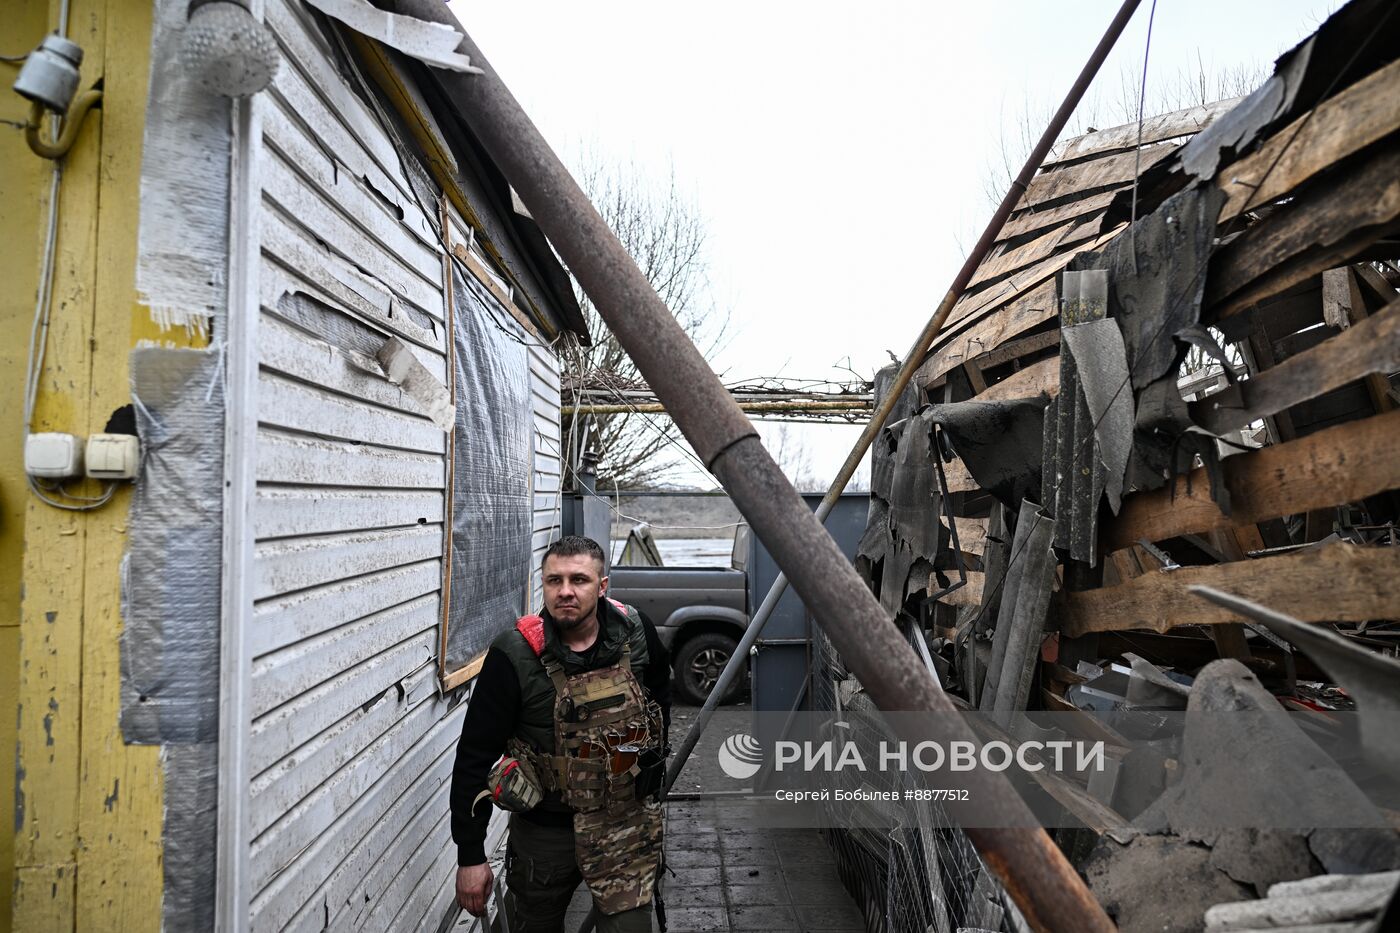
(51, 455)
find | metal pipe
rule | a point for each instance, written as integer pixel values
(1046, 889)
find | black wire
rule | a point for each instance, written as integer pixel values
(1161, 328)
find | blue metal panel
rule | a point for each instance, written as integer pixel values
(780, 663)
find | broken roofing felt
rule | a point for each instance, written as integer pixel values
(1261, 242)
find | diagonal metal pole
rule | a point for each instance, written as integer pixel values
(1049, 893)
(912, 360)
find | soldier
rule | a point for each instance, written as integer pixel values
(577, 699)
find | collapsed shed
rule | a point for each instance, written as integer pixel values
(1177, 368)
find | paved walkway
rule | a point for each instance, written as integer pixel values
(730, 877)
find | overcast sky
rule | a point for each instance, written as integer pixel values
(840, 153)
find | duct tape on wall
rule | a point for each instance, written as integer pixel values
(183, 235)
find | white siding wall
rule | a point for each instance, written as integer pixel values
(351, 746)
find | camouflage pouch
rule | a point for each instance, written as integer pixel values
(618, 851)
(513, 784)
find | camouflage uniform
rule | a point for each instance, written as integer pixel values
(598, 720)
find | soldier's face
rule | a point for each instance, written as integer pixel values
(572, 587)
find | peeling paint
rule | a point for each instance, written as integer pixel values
(19, 790)
(50, 616)
(110, 801)
(48, 721)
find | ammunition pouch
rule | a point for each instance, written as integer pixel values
(651, 776)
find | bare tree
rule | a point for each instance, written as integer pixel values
(665, 233)
(789, 450)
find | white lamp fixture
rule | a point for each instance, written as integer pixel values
(233, 54)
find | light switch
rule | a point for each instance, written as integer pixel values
(113, 456)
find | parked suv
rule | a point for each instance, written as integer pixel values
(700, 612)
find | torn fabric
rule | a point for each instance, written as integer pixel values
(182, 236)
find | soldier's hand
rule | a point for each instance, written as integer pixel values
(473, 888)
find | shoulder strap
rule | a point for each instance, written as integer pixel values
(532, 628)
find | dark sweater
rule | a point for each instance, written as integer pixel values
(490, 721)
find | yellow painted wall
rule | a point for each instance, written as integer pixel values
(86, 847)
(20, 180)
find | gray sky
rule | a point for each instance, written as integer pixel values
(840, 154)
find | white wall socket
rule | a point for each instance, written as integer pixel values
(51, 455)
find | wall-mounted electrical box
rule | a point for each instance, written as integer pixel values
(51, 455)
(113, 456)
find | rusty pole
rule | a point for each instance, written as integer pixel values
(1044, 885)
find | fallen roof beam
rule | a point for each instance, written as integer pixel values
(1336, 583)
(1370, 346)
(1343, 464)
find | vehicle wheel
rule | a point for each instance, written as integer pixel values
(698, 665)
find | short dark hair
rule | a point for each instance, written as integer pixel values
(573, 546)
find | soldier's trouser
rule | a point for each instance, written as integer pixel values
(541, 878)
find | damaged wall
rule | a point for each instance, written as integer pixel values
(351, 736)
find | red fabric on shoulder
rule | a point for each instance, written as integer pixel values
(532, 627)
(618, 606)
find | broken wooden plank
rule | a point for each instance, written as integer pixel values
(969, 595)
(1340, 126)
(1338, 583)
(1326, 226)
(1342, 464)
(1030, 309)
(972, 535)
(1089, 176)
(1172, 125)
(991, 299)
(1042, 376)
(1047, 244)
(1032, 220)
(1371, 346)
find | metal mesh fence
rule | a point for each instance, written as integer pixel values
(923, 875)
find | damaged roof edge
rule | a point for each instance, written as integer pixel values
(512, 238)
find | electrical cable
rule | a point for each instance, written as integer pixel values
(1137, 151)
(39, 329)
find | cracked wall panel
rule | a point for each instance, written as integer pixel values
(291, 352)
(290, 671)
(344, 866)
(309, 409)
(297, 775)
(293, 263)
(410, 272)
(336, 809)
